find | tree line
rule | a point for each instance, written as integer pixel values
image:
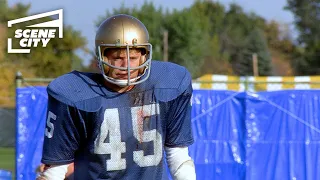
(208, 37)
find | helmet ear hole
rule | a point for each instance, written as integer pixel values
(105, 51)
(143, 51)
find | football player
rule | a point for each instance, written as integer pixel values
(130, 121)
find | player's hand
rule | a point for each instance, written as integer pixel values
(39, 172)
(42, 167)
(70, 171)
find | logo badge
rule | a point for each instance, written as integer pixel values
(30, 37)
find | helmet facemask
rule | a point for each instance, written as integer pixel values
(144, 65)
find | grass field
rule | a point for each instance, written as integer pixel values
(7, 159)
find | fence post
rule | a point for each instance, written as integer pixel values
(18, 79)
(246, 83)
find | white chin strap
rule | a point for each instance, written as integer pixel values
(123, 82)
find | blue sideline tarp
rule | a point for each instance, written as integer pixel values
(238, 135)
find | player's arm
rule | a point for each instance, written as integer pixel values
(62, 138)
(180, 163)
(179, 137)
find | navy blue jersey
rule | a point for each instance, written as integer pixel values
(111, 135)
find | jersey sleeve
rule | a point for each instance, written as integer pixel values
(179, 129)
(62, 135)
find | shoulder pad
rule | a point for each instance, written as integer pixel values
(76, 89)
(169, 80)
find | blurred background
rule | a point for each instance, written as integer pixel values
(222, 39)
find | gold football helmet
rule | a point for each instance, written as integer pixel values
(123, 31)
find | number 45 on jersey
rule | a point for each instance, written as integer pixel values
(111, 126)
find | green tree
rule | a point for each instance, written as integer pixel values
(59, 56)
(242, 38)
(217, 60)
(236, 28)
(255, 44)
(189, 38)
(307, 20)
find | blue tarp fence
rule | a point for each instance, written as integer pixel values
(238, 135)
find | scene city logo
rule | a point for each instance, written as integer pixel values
(37, 34)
